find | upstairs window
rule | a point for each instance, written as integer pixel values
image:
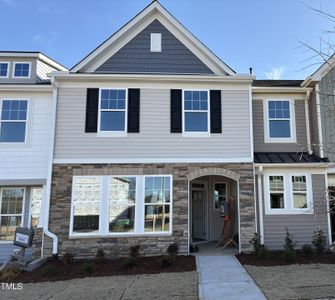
(112, 110)
(4, 69)
(13, 121)
(279, 121)
(21, 70)
(156, 42)
(196, 111)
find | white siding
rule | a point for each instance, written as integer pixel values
(154, 139)
(29, 161)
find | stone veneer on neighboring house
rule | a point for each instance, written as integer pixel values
(182, 172)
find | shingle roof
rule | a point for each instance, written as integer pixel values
(286, 158)
(277, 83)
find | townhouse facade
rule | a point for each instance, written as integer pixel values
(26, 109)
(154, 134)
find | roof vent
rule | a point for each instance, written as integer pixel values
(156, 42)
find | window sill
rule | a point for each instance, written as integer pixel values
(119, 235)
(112, 134)
(196, 134)
(280, 140)
(305, 211)
(7, 242)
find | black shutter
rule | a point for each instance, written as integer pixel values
(176, 111)
(216, 124)
(92, 105)
(133, 110)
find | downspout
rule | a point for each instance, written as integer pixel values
(318, 109)
(49, 175)
(308, 129)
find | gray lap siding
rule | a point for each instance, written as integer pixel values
(119, 246)
(301, 226)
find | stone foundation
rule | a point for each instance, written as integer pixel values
(119, 246)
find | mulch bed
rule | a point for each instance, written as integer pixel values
(276, 258)
(57, 270)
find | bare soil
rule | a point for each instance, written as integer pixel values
(277, 258)
(57, 270)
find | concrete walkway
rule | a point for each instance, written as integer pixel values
(223, 277)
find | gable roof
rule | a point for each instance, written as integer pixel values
(153, 11)
(35, 54)
(321, 71)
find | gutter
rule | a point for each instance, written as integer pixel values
(295, 165)
(49, 174)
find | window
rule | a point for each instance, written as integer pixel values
(299, 188)
(196, 111)
(11, 212)
(288, 194)
(4, 69)
(86, 204)
(276, 192)
(121, 205)
(157, 203)
(21, 70)
(35, 207)
(279, 121)
(122, 199)
(112, 111)
(220, 195)
(13, 121)
(156, 42)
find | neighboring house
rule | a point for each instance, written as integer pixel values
(290, 178)
(25, 127)
(322, 114)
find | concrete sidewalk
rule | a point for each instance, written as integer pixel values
(223, 277)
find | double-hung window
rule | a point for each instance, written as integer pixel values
(279, 121)
(11, 211)
(277, 192)
(288, 194)
(196, 111)
(21, 70)
(112, 110)
(299, 191)
(121, 205)
(4, 69)
(13, 121)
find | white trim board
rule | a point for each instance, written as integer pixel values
(151, 160)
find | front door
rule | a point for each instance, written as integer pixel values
(199, 201)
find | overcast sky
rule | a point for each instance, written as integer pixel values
(263, 34)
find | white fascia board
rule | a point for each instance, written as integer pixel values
(294, 165)
(25, 87)
(51, 62)
(156, 11)
(295, 90)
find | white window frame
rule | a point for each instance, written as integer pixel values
(16, 215)
(8, 64)
(156, 42)
(196, 133)
(139, 209)
(22, 62)
(103, 133)
(15, 121)
(289, 208)
(267, 137)
(220, 182)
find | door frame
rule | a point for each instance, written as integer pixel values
(206, 206)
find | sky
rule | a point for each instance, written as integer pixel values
(266, 35)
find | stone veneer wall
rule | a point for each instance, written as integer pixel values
(83, 247)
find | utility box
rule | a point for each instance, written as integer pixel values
(23, 237)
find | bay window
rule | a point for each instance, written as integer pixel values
(121, 205)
